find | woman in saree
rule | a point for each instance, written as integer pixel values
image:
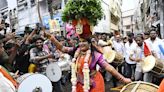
(86, 57)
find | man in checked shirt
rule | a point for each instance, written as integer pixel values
(41, 56)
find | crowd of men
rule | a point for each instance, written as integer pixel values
(20, 52)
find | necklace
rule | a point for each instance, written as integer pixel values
(85, 71)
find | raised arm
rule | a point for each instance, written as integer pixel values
(29, 38)
(58, 44)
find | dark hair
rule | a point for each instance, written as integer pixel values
(140, 36)
(130, 34)
(9, 46)
(152, 29)
(146, 33)
(37, 37)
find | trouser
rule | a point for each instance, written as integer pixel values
(108, 76)
(157, 78)
(147, 77)
(129, 70)
(57, 86)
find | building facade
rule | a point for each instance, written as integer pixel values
(152, 13)
(103, 25)
(28, 13)
(128, 21)
(112, 16)
(8, 12)
(115, 14)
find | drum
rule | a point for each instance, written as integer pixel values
(113, 56)
(65, 62)
(140, 86)
(118, 58)
(34, 83)
(53, 72)
(150, 63)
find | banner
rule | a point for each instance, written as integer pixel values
(54, 25)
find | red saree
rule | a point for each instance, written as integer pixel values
(97, 78)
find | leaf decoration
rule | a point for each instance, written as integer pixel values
(79, 9)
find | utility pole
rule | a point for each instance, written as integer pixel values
(49, 2)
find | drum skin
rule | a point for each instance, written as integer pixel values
(30, 82)
(112, 56)
(54, 72)
(153, 64)
(142, 87)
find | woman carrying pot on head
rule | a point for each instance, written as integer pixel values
(85, 77)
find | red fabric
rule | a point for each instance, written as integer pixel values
(74, 22)
(98, 79)
(147, 52)
(86, 31)
(84, 21)
(161, 87)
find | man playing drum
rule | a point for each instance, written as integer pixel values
(156, 46)
(137, 55)
(154, 43)
(129, 65)
(41, 58)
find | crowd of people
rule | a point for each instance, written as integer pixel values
(19, 53)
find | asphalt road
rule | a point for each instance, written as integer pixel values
(108, 86)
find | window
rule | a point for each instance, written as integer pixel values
(128, 27)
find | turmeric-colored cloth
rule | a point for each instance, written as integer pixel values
(161, 87)
(96, 80)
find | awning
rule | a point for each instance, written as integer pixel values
(156, 23)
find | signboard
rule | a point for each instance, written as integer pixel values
(54, 25)
(56, 17)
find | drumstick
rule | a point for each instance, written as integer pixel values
(136, 86)
(16, 73)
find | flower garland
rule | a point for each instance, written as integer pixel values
(85, 70)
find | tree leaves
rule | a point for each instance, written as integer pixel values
(78, 9)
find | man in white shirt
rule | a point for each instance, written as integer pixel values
(154, 44)
(118, 44)
(138, 54)
(119, 48)
(129, 65)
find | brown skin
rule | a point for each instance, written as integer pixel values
(39, 45)
(118, 38)
(84, 46)
(146, 37)
(139, 42)
(153, 35)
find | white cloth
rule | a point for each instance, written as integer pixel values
(138, 52)
(6, 85)
(154, 47)
(102, 43)
(119, 47)
(128, 49)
